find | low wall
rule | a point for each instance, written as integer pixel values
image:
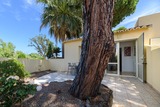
(58, 64)
(2, 59)
(153, 66)
(33, 65)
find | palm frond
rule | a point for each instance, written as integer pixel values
(64, 17)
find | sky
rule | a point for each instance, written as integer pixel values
(20, 21)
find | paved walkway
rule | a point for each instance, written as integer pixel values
(130, 92)
(127, 91)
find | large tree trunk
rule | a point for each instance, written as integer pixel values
(97, 47)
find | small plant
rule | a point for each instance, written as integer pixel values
(13, 90)
(13, 67)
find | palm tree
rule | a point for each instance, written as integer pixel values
(64, 18)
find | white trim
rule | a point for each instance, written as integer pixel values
(120, 75)
(112, 63)
(127, 76)
(136, 59)
(118, 62)
(125, 40)
(112, 74)
(140, 79)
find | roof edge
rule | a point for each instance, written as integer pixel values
(71, 40)
(134, 28)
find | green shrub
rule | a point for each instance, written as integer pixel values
(13, 67)
(13, 91)
(35, 56)
(12, 87)
(20, 54)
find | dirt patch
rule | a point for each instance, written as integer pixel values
(56, 94)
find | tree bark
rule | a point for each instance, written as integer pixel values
(97, 47)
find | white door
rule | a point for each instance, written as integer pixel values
(141, 58)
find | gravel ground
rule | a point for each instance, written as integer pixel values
(55, 94)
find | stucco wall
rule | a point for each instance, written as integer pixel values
(72, 51)
(154, 20)
(71, 55)
(32, 65)
(134, 34)
(153, 66)
(58, 64)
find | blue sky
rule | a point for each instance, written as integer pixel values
(20, 20)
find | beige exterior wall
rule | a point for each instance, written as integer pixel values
(32, 65)
(72, 50)
(134, 34)
(71, 55)
(58, 64)
(152, 52)
(153, 67)
(154, 20)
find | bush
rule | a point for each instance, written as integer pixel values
(35, 56)
(13, 91)
(20, 54)
(13, 67)
(12, 87)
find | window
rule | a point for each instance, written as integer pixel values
(127, 51)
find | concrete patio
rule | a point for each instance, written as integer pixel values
(127, 91)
